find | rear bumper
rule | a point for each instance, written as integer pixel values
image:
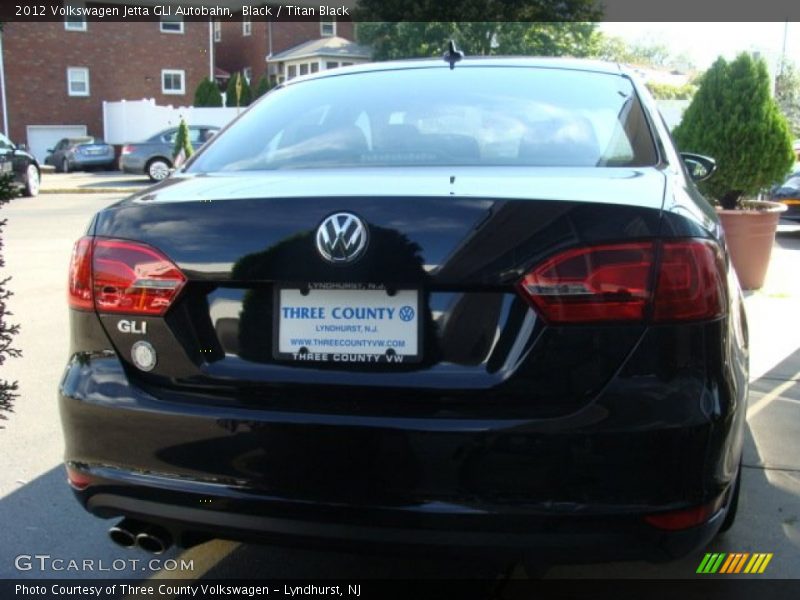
(576, 488)
(131, 164)
(93, 161)
(193, 510)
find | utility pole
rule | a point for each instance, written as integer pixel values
(783, 55)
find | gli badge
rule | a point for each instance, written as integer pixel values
(139, 327)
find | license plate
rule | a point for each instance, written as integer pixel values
(340, 324)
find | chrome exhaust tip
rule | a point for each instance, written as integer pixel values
(153, 539)
(123, 534)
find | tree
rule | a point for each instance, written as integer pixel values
(246, 95)
(787, 94)
(207, 94)
(734, 118)
(395, 40)
(8, 389)
(183, 145)
(651, 54)
(422, 28)
(262, 87)
(665, 91)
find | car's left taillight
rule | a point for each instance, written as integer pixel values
(122, 276)
(126, 149)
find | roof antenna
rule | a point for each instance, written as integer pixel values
(453, 54)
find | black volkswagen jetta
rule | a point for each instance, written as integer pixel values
(404, 304)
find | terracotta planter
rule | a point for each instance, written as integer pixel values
(750, 235)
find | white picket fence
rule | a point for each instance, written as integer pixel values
(136, 120)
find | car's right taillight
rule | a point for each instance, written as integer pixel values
(691, 282)
(121, 276)
(659, 281)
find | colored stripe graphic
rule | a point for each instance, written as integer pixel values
(723, 563)
(741, 562)
(711, 563)
(703, 564)
(765, 563)
(732, 558)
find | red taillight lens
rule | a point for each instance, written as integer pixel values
(615, 282)
(80, 275)
(691, 284)
(122, 276)
(77, 479)
(133, 278)
(599, 283)
(685, 518)
(126, 150)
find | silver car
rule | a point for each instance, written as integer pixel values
(153, 157)
(71, 154)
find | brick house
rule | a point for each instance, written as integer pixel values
(282, 50)
(57, 74)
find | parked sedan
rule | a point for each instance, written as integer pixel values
(153, 157)
(71, 154)
(22, 164)
(474, 305)
(788, 193)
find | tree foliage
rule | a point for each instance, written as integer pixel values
(787, 94)
(734, 118)
(396, 40)
(246, 96)
(207, 94)
(8, 389)
(644, 53)
(183, 143)
(262, 87)
(665, 91)
(422, 28)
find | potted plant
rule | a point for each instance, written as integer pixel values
(734, 118)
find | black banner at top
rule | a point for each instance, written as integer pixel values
(402, 10)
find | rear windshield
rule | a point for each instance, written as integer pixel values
(502, 116)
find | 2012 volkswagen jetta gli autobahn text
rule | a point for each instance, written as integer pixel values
(478, 306)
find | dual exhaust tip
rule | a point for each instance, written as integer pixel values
(150, 538)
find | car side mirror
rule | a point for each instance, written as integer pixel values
(51, 150)
(699, 167)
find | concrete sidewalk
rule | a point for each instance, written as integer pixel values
(773, 312)
(93, 182)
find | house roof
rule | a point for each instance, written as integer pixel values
(337, 47)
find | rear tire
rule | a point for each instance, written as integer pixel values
(733, 506)
(33, 180)
(158, 169)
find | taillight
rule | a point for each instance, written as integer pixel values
(616, 282)
(691, 284)
(685, 518)
(80, 275)
(77, 479)
(126, 149)
(125, 277)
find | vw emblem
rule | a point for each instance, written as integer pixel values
(342, 238)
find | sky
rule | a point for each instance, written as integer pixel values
(704, 42)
